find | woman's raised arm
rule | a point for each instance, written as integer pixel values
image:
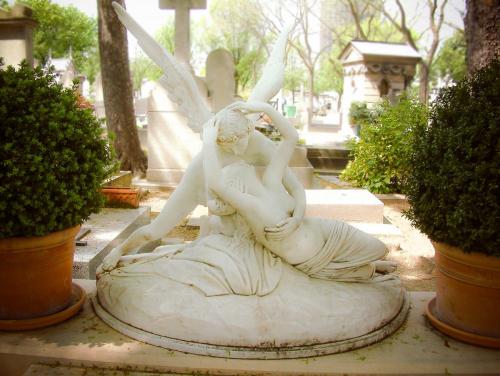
(275, 170)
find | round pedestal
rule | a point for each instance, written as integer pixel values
(302, 317)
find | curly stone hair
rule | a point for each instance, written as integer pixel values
(233, 125)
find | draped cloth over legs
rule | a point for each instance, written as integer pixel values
(216, 265)
(348, 255)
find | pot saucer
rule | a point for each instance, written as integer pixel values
(77, 299)
(455, 333)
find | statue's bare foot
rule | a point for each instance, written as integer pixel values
(109, 262)
(385, 267)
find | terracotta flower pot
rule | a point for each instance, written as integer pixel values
(118, 196)
(467, 304)
(36, 274)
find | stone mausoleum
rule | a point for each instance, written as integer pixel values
(374, 70)
(16, 35)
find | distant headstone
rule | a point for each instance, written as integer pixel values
(172, 144)
(220, 78)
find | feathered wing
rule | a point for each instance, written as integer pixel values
(178, 82)
(273, 74)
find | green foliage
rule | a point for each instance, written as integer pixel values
(454, 184)
(166, 35)
(61, 28)
(294, 77)
(329, 76)
(234, 25)
(450, 60)
(52, 156)
(142, 68)
(359, 113)
(381, 156)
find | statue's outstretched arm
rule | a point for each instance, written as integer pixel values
(182, 201)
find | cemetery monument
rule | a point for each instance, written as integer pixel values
(374, 70)
(262, 281)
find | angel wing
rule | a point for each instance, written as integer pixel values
(179, 82)
(273, 74)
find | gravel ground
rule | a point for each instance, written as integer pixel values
(415, 254)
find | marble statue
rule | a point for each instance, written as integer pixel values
(324, 249)
(191, 190)
(261, 281)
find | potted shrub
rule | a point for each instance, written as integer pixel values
(454, 191)
(53, 160)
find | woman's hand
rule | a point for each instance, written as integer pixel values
(249, 107)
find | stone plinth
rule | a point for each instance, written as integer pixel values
(85, 342)
(350, 205)
(121, 179)
(171, 143)
(16, 35)
(107, 229)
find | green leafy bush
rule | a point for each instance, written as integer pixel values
(381, 156)
(52, 156)
(359, 113)
(453, 188)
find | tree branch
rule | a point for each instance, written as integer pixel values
(357, 22)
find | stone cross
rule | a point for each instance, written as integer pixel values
(182, 8)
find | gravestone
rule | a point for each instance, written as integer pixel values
(172, 144)
(220, 78)
(16, 35)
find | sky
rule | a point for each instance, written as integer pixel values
(148, 14)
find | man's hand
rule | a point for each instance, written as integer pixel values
(110, 261)
(210, 130)
(282, 229)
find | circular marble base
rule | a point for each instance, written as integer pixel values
(242, 352)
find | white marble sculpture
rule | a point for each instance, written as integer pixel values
(261, 281)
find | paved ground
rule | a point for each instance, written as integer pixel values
(415, 254)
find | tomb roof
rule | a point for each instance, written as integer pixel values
(380, 49)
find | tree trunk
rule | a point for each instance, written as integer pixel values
(423, 94)
(117, 88)
(482, 32)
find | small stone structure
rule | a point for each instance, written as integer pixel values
(373, 70)
(65, 71)
(16, 35)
